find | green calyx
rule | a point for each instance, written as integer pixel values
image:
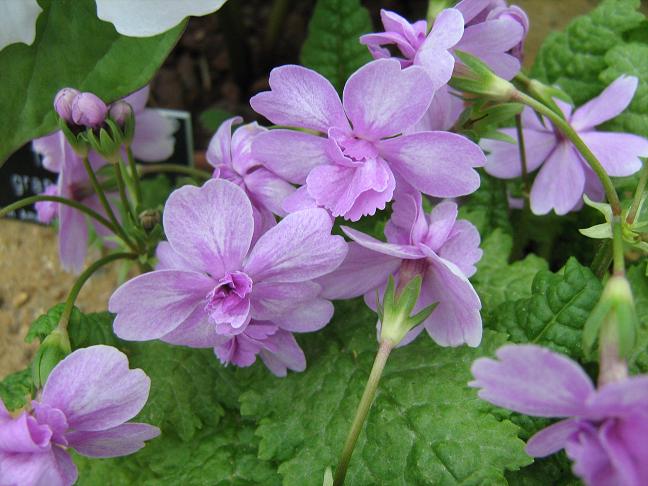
(107, 141)
(396, 309)
(53, 349)
(477, 78)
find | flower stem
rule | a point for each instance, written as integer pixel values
(363, 409)
(523, 159)
(571, 134)
(639, 192)
(617, 247)
(176, 168)
(83, 278)
(602, 258)
(135, 176)
(61, 200)
(122, 191)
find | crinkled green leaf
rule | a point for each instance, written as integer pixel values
(630, 59)
(488, 208)
(426, 425)
(222, 455)
(555, 313)
(84, 329)
(639, 284)
(332, 46)
(16, 389)
(497, 281)
(575, 58)
(72, 48)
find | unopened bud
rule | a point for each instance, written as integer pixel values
(88, 110)
(149, 218)
(474, 76)
(63, 103)
(53, 349)
(120, 112)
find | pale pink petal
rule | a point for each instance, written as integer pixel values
(628, 463)
(620, 398)
(95, 389)
(610, 103)
(298, 200)
(299, 248)
(290, 154)
(503, 158)
(618, 153)
(441, 221)
(270, 301)
(73, 238)
(154, 304)
(281, 352)
(382, 99)
(408, 223)
(53, 468)
(211, 226)
(407, 252)
(23, 434)
(471, 8)
(300, 97)
(168, 259)
(443, 113)
(138, 99)
(196, 331)
(153, 140)
(219, 150)
(552, 439)
(52, 148)
(462, 247)
(268, 189)
(534, 381)
(308, 316)
(436, 163)
(118, 441)
(361, 271)
(560, 183)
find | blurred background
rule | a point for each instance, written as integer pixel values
(219, 62)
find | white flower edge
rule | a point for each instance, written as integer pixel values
(18, 21)
(145, 18)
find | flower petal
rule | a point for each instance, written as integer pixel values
(52, 468)
(300, 97)
(552, 439)
(270, 301)
(308, 316)
(503, 158)
(406, 252)
(290, 154)
(443, 113)
(620, 398)
(268, 189)
(95, 389)
(219, 150)
(73, 238)
(154, 136)
(382, 99)
(436, 163)
(442, 219)
(462, 247)
(301, 247)
(146, 18)
(23, 435)
(281, 352)
(618, 153)
(560, 183)
(211, 226)
(154, 304)
(118, 441)
(534, 381)
(196, 331)
(18, 21)
(610, 103)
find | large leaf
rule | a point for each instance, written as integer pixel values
(332, 46)
(72, 48)
(426, 425)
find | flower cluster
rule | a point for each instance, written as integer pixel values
(85, 405)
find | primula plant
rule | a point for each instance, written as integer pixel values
(413, 262)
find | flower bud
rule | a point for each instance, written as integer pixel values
(88, 110)
(53, 349)
(120, 112)
(515, 14)
(474, 76)
(63, 103)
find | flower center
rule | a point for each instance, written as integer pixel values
(228, 304)
(350, 150)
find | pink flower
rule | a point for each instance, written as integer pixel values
(349, 166)
(564, 175)
(442, 250)
(85, 405)
(605, 430)
(210, 285)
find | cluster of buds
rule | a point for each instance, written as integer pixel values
(88, 122)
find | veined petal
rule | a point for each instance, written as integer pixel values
(618, 152)
(610, 103)
(73, 238)
(118, 441)
(552, 439)
(503, 158)
(52, 468)
(153, 140)
(406, 252)
(268, 189)
(219, 150)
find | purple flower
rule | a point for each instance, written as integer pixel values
(606, 429)
(443, 113)
(436, 246)
(85, 405)
(564, 175)
(88, 110)
(153, 141)
(63, 103)
(495, 33)
(231, 157)
(210, 284)
(416, 45)
(120, 111)
(350, 169)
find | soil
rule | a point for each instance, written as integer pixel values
(197, 75)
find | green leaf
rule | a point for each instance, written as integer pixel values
(574, 59)
(225, 455)
(72, 48)
(639, 284)
(155, 191)
(332, 46)
(497, 281)
(426, 425)
(630, 59)
(556, 312)
(488, 208)
(84, 329)
(16, 389)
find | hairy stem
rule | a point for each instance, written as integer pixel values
(638, 195)
(602, 258)
(83, 278)
(61, 200)
(617, 247)
(135, 176)
(174, 168)
(122, 191)
(523, 159)
(363, 409)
